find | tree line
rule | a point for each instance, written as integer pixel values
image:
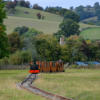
(25, 44)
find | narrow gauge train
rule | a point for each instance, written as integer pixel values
(50, 66)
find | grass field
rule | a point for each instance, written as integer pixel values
(77, 84)
(8, 90)
(92, 33)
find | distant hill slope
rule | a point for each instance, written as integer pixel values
(32, 13)
(91, 33)
(91, 18)
(84, 26)
(48, 27)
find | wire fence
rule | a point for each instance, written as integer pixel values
(14, 67)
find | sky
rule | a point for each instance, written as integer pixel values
(63, 3)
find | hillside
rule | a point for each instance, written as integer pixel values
(45, 26)
(84, 26)
(49, 25)
(91, 19)
(31, 13)
(91, 33)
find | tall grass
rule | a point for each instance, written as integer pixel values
(79, 84)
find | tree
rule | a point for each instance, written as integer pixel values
(69, 27)
(4, 46)
(14, 41)
(16, 2)
(36, 6)
(96, 6)
(88, 7)
(27, 4)
(56, 10)
(47, 48)
(80, 11)
(71, 15)
(10, 7)
(71, 8)
(98, 13)
(22, 3)
(71, 51)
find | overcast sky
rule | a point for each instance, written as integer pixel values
(63, 3)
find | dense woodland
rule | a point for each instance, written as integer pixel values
(25, 44)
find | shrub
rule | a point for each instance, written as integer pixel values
(20, 57)
(31, 33)
(4, 61)
(74, 66)
(21, 30)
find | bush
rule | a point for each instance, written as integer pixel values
(4, 61)
(15, 59)
(31, 33)
(21, 30)
(20, 57)
(26, 56)
(74, 66)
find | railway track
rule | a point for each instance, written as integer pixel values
(38, 91)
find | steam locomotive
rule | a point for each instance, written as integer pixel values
(50, 66)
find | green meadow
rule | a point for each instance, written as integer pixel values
(91, 33)
(8, 89)
(79, 84)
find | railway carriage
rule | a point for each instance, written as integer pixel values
(50, 66)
